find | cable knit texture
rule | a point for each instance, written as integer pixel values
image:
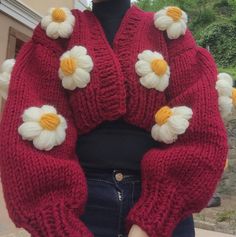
(45, 191)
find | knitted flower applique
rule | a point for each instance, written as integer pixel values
(75, 68)
(234, 97)
(43, 126)
(171, 122)
(5, 75)
(172, 20)
(153, 70)
(227, 94)
(58, 23)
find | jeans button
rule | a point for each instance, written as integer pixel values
(119, 177)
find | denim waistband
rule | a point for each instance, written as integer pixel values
(117, 175)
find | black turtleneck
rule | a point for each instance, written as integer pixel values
(113, 144)
(110, 14)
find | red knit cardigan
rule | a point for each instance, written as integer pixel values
(45, 191)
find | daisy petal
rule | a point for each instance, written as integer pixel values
(29, 130)
(150, 80)
(146, 55)
(45, 141)
(7, 66)
(68, 83)
(65, 29)
(160, 13)
(32, 114)
(60, 135)
(53, 30)
(163, 83)
(78, 51)
(46, 21)
(163, 22)
(225, 106)
(49, 109)
(85, 62)
(143, 68)
(155, 132)
(225, 77)
(81, 78)
(183, 111)
(63, 122)
(167, 135)
(178, 124)
(224, 88)
(175, 30)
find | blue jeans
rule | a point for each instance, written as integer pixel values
(110, 197)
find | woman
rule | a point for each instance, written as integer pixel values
(123, 101)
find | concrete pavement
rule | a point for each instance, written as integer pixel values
(206, 233)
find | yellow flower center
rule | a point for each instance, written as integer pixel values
(68, 66)
(234, 96)
(162, 115)
(58, 15)
(175, 13)
(159, 66)
(49, 121)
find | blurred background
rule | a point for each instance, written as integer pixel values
(213, 23)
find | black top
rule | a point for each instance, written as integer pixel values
(110, 14)
(113, 144)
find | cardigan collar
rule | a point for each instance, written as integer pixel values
(114, 82)
(108, 71)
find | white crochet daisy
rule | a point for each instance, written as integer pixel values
(75, 68)
(173, 20)
(227, 94)
(5, 75)
(170, 123)
(58, 23)
(43, 126)
(225, 106)
(224, 84)
(153, 70)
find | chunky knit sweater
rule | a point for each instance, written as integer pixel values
(50, 103)
(125, 143)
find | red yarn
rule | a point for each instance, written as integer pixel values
(45, 192)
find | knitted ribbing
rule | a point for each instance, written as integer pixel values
(115, 85)
(46, 192)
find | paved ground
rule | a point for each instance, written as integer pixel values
(205, 233)
(219, 219)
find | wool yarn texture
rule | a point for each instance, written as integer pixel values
(67, 80)
(226, 92)
(5, 75)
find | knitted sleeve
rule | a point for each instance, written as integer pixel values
(45, 190)
(179, 179)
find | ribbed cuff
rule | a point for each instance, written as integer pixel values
(54, 221)
(159, 209)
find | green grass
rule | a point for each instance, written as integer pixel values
(230, 70)
(226, 216)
